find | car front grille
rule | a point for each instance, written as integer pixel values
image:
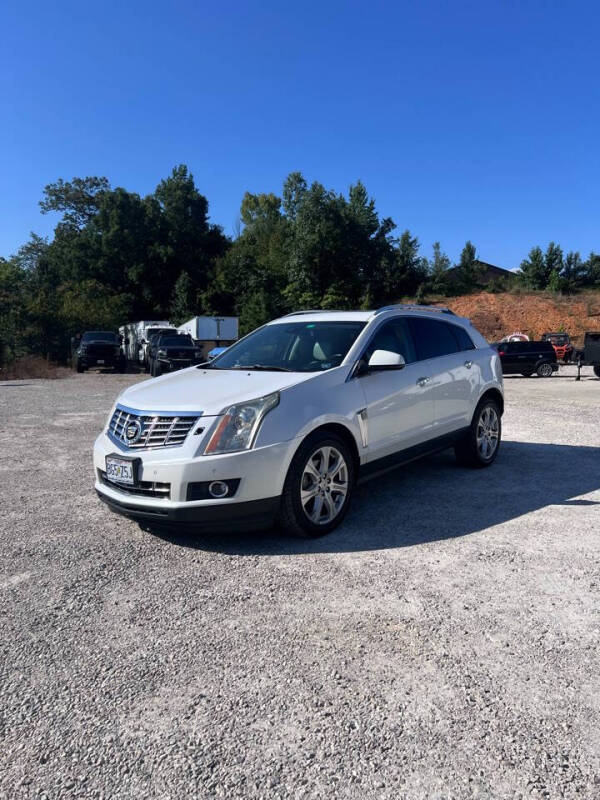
(144, 488)
(100, 351)
(136, 431)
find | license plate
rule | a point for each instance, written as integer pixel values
(99, 361)
(119, 470)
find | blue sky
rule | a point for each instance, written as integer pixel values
(475, 120)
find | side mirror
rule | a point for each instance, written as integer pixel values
(385, 359)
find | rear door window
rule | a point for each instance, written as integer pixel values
(432, 338)
(464, 340)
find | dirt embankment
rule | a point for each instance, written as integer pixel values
(497, 315)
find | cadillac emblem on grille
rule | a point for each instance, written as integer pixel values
(133, 432)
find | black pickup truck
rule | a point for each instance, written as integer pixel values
(168, 353)
(99, 349)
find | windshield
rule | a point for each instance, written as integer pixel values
(175, 341)
(292, 346)
(99, 336)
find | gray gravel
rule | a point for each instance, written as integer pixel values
(442, 644)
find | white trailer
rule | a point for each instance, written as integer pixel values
(135, 337)
(211, 331)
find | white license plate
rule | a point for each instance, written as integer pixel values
(119, 470)
(100, 361)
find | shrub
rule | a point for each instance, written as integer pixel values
(32, 367)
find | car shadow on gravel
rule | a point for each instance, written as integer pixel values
(431, 500)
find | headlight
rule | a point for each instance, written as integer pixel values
(237, 428)
(161, 353)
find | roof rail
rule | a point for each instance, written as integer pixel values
(414, 307)
(310, 311)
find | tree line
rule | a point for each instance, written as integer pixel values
(116, 256)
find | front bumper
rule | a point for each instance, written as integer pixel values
(261, 473)
(252, 514)
(92, 361)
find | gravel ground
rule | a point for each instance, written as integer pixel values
(442, 644)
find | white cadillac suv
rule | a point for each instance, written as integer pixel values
(282, 425)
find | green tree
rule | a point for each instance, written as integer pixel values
(532, 272)
(574, 272)
(438, 270)
(592, 270)
(468, 269)
(183, 304)
(77, 200)
(553, 259)
(12, 283)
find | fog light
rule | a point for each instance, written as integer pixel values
(218, 489)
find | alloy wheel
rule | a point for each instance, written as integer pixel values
(324, 485)
(488, 430)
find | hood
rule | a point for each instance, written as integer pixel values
(205, 390)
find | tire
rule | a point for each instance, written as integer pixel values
(527, 374)
(321, 510)
(121, 365)
(79, 368)
(471, 451)
(157, 369)
(544, 370)
(597, 371)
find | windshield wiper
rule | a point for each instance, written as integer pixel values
(263, 367)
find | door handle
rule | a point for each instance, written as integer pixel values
(423, 381)
(468, 364)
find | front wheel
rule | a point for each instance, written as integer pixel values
(480, 445)
(545, 370)
(317, 490)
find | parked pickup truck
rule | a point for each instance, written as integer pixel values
(168, 353)
(99, 349)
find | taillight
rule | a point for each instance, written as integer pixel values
(501, 353)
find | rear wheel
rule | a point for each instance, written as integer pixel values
(545, 370)
(318, 486)
(79, 367)
(480, 445)
(156, 369)
(597, 371)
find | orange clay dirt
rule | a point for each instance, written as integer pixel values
(497, 315)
